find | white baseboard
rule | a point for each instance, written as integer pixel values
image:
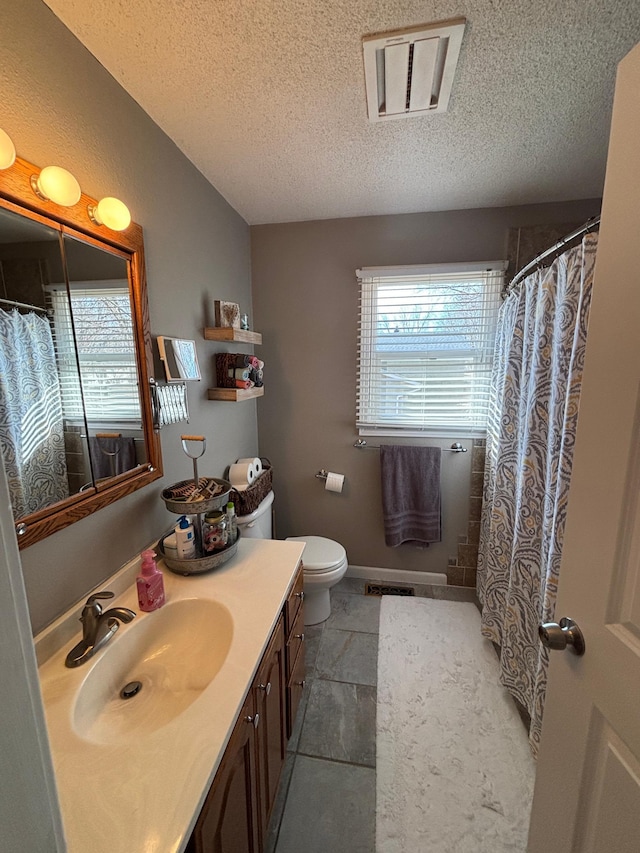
(395, 575)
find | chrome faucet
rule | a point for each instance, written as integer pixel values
(97, 627)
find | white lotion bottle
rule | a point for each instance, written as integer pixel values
(185, 539)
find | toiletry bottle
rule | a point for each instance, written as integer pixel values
(185, 539)
(150, 583)
(232, 525)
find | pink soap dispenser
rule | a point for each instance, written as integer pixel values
(150, 583)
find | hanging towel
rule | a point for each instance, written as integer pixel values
(111, 456)
(410, 494)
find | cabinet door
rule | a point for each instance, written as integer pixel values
(228, 822)
(294, 600)
(294, 690)
(271, 740)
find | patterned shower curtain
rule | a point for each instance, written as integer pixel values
(31, 430)
(536, 383)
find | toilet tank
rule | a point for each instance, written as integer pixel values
(258, 524)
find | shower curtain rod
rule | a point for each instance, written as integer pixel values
(24, 305)
(555, 251)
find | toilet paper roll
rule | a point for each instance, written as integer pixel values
(334, 482)
(242, 474)
(256, 462)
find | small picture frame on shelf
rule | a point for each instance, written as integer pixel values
(227, 314)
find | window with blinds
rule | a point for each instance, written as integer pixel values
(95, 348)
(425, 347)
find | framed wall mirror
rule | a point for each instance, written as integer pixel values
(76, 425)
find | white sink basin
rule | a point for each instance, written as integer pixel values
(174, 653)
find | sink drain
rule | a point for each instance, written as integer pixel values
(130, 689)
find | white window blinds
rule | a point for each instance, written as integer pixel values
(93, 333)
(425, 347)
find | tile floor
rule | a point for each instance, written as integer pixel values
(326, 799)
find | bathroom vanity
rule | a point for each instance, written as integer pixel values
(194, 765)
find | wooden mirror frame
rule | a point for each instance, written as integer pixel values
(17, 196)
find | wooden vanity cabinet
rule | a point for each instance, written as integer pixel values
(228, 822)
(236, 812)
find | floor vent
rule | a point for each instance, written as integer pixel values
(383, 589)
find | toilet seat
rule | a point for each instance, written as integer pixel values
(320, 554)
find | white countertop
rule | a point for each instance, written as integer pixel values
(144, 793)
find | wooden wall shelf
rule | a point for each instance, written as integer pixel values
(234, 395)
(228, 334)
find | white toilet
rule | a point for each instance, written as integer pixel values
(325, 561)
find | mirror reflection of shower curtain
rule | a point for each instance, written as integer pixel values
(537, 375)
(31, 426)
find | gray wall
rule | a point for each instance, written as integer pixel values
(306, 305)
(60, 106)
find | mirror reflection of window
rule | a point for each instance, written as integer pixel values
(98, 320)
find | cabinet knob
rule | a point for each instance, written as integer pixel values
(301, 683)
(300, 595)
(255, 719)
(299, 637)
(266, 687)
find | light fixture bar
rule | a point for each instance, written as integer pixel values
(58, 185)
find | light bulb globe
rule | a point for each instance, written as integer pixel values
(58, 185)
(111, 212)
(7, 151)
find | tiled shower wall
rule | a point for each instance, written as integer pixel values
(462, 569)
(77, 458)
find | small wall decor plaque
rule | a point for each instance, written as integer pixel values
(227, 314)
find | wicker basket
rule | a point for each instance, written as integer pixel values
(249, 500)
(225, 362)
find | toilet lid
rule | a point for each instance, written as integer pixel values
(320, 554)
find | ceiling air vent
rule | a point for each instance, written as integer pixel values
(410, 72)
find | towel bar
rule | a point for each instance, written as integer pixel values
(456, 447)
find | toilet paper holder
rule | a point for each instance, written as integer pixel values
(332, 482)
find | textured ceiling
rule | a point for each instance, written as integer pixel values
(266, 98)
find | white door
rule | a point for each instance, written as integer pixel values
(587, 794)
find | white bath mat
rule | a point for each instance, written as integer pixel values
(454, 770)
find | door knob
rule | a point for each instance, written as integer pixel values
(559, 636)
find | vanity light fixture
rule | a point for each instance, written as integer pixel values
(56, 184)
(7, 151)
(110, 212)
